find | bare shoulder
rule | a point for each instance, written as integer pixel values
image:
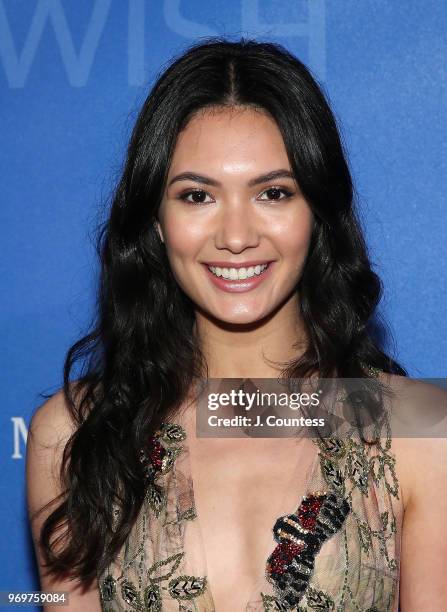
(419, 440)
(50, 428)
(421, 465)
(52, 422)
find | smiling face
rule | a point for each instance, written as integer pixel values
(220, 207)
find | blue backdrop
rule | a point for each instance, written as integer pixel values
(73, 74)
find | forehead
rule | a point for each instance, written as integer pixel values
(242, 138)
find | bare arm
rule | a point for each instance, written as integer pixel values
(424, 539)
(48, 433)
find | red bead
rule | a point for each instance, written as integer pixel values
(308, 511)
(308, 522)
(156, 454)
(283, 554)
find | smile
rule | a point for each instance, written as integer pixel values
(235, 274)
(239, 280)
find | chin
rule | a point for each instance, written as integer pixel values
(242, 317)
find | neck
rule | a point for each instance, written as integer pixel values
(255, 350)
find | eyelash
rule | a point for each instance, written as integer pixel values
(185, 194)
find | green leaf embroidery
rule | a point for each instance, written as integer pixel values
(188, 515)
(171, 432)
(391, 481)
(170, 457)
(392, 564)
(272, 603)
(318, 600)
(375, 468)
(171, 563)
(358, 471)
(156, 498)
(107, 588)
(393, 525)
(332, 474)
(356, 465)
(187, 587)
(131, 595)
(365, 538)
(152, 598)
(332, 446)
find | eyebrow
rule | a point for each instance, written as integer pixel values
(206, 180)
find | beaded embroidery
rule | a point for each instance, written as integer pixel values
(300, 537)
(157, 459)
(182, 588)
(348, 471)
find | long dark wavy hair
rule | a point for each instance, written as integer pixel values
(141, 354)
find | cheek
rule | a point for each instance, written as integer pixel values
(293, 236)
(183, 238)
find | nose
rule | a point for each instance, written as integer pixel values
(238, 227)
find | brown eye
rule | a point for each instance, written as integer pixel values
(198, 196)
(275, 193)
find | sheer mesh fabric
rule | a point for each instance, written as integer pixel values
(355, 566)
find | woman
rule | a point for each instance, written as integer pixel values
(232, 250)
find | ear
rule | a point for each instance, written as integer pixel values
(158, 228)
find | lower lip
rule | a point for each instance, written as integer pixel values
(239, 286)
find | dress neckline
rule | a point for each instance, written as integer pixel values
(314, 517)
(293, 540)
(360, 566)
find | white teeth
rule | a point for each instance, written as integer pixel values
(238, 273)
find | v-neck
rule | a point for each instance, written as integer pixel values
(349, 494)
(283, 509)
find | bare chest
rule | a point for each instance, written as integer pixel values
(240, 489)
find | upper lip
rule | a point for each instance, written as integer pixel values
(230, 264)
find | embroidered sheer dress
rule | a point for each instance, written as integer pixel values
(336, 548)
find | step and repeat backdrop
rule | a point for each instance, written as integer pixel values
(73, 75)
